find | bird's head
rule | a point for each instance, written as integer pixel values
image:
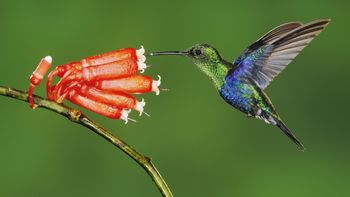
(204, 56)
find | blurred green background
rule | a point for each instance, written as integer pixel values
(201, 145)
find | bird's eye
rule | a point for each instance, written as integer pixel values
(198, 52)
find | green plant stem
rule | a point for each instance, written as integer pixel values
(77, 117)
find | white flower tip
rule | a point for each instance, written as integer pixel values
(140, 51)
(140, 105)
(141, 59)
(155, 85)
(48, 59)
(141, 66)
(140, 54)
(124, 115)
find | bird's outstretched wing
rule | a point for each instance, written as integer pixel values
(268, 56)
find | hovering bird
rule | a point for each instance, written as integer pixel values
(242, 82)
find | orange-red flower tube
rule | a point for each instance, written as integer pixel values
(135, 84)
(97, 106)
(118, 99)
(38, 76)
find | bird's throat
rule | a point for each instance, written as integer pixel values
(216, 72)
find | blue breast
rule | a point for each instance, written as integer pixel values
(237, 93)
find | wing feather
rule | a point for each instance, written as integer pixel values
(268, 56)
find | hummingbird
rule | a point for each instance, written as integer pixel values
(242, 83)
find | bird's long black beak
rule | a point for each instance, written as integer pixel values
(181, 53)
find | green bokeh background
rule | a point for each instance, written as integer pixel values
(201, 145)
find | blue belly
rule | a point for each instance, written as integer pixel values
(237, 94)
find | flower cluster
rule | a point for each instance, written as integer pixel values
(103, 83)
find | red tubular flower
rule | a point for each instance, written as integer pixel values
(101, 83)
(38, 76)
(109, 111)
(119, 99)
(113, 56)
(135, 84)
(112, 70)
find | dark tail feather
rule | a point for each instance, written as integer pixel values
(291, 136)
